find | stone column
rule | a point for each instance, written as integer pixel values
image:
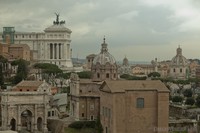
(63, 51)
(3, 115)
(18, 118)
(57, 51)
(53, 51)
(68, 52)
(8, 120)
(45, 130)
(48, 51)
(35, 118)
(45, 51)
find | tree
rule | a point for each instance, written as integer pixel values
(2, 61)
(1, 75)
(188, 93)
(190, 101)
(48, 68)
(85, 74)
(130, 77)
(177, 99)
(22, 70)
(198, 101)
(98, 125)
(154, 74)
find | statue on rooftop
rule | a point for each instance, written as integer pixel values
(57, 22)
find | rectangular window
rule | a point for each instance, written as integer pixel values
(49, 113)
(92, 107)
(140, 102)
(82, 114)
(107, 75)
(181, 70)
(174, 70)
(91, 117)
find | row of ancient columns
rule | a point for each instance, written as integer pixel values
(56, 50)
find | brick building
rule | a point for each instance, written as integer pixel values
(134, 107)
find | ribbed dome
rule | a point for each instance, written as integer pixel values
(104, 56)
(179, 59)
(125, 62)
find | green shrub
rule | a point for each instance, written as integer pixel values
(82, 124)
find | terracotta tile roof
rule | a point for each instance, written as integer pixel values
(138, 85)
(29, 83)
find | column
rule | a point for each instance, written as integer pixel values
(53, 57)
(45, 51)
(45, 114)
(8, 120)
(68, 52)
(35, 118)
(18, 118)
(57, 51)
(51, 51)
(63, 51)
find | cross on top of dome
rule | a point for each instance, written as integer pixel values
(104, 46)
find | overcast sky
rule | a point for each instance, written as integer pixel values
(141, 30)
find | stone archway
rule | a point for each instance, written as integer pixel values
(21, 111)
(13, 124)
(26, 120)
(39, 124)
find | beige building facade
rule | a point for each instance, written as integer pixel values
(134, 107)
(84, 98)
(24, 111)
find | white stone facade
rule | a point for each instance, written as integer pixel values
(50, 46)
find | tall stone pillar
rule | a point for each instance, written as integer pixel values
(48, 51)
(18, 118)
(57, 51)
(68, 52)
(35, 118)
(8, 122)
(45, 130)
(64, 52)
(53, 56)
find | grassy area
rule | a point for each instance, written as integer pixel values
(83, 130)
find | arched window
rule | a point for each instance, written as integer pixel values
(181, 70)
(140, 102)
(107, 75)
(98, 75)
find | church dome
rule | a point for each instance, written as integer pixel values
(179, 59)
(104, 56)
(125, 62)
